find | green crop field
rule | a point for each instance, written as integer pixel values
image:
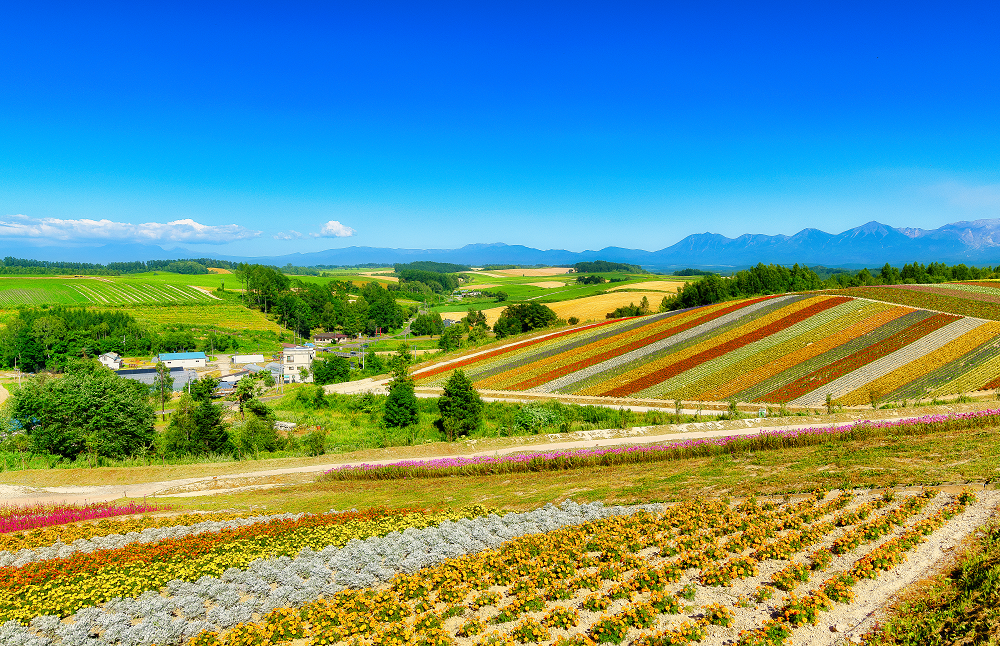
(15, 292)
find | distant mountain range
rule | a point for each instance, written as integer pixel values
(870, 245)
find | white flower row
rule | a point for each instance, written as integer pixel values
(116, 541)
(185, 609)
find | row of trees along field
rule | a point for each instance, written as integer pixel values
(30, 267)
(778, 279)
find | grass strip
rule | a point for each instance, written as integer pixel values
(638, 453)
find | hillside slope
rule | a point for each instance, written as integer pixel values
(792, 349)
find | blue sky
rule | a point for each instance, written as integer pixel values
(262, 129)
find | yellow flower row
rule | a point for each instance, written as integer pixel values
(65, 595)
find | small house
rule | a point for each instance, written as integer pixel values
(111, 360)
(330, 337)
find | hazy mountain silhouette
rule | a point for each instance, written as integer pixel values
(871, 244)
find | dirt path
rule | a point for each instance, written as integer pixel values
(229, 483)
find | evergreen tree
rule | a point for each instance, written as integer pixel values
(210, 432)
(176, 440)
(460, 405)
(401, 406)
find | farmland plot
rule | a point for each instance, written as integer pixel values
(795, 349)
(58, 291)
(648, 574)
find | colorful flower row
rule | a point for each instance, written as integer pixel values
(66, 540)
(863, 318)
(63, 585)
(624, 344)
(16, 519)
(926, 345)
(720, 359)
(509, 370)
(893, 384)
(715, 344)
(719, 321)
(719, 371)
(831, 371)
(107, 527)
(822, 351)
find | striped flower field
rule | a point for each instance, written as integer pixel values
(787, 349)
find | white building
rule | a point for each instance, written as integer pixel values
(293, 358)
(183, 359)
(111, 360)
(248, 358)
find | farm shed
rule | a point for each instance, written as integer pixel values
(183, 359)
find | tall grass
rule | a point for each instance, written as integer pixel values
(639, 453)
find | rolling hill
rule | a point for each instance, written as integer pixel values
(789, 349)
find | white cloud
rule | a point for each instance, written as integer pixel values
(291, 234)
(86, 230)
(334, 229)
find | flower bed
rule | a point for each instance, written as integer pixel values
(891, 384)
(831, 371)
(577, 574)
(16, 519)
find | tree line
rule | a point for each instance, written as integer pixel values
(24, 266)
(779, 279)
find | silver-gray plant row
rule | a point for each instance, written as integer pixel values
(185, 609)
(116, 541)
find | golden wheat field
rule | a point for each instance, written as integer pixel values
(590, 308)
(670, 286)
